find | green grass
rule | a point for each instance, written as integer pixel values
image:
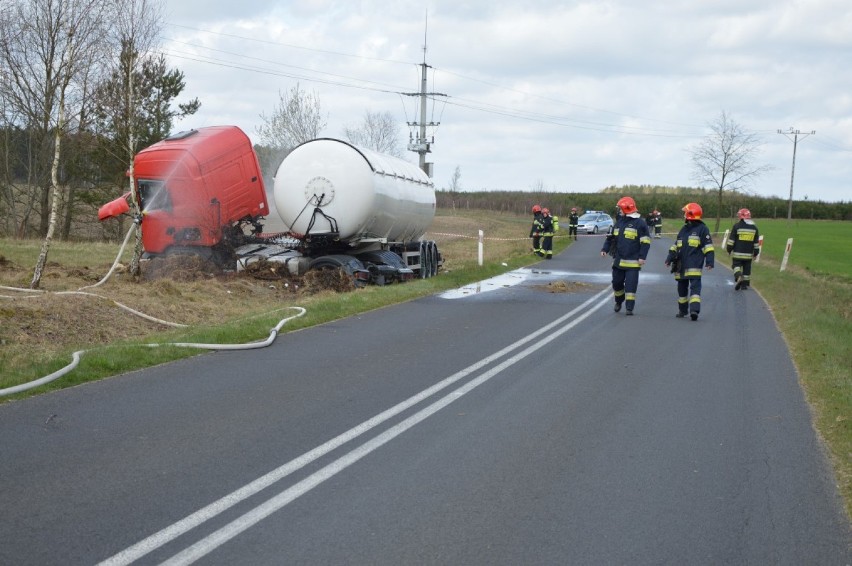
(821, 247)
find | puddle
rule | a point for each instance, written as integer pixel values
(544, 279)
(509, 279)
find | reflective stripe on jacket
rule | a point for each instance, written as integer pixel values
(694, 248)
(631, 240)
(744, 242)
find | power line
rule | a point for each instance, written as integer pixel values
(472, 105)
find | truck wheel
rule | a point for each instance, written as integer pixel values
(427, 266)
(433, 265)
(423, 261)
(348, 263)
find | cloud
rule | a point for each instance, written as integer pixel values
(576, 95)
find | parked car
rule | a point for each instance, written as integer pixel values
(594, 222)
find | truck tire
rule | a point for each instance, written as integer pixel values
(424, 258)
(385, 266)
(350, 264)
(433, 265)
(426, 267)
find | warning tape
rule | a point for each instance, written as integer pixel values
(499, 239)
(527, 238)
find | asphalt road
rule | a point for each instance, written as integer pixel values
(501, 424)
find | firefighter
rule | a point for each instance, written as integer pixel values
(743, 246)
(535, 230)
(650, 220)
(658, 223)
(628, 242)
(573, 221)
(549, 225)
(691, 252)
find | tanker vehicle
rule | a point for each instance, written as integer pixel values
(344, 206)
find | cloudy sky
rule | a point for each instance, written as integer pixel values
(565, 95)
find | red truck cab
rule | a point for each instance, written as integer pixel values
(194, 184)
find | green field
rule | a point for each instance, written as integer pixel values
(821, 247)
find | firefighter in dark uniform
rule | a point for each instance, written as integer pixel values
(691, 252)
(628, 243)
(549, 225)
(743, 246)
(535, 231)
(650, 220)
(573, 221)
(658, 223)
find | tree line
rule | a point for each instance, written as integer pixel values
(82, 90)
(668, 200)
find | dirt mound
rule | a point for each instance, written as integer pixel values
(565, 287)
(328, 280)
(181, 267)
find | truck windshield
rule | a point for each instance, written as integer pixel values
(153, 195)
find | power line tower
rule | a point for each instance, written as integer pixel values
(421, 145)
(795, 138)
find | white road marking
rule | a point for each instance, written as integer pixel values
(216, 539)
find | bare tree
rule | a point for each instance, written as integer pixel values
(725, 158)
(454, 180)
(537, 186)
(378, 131)
(297, 119)
(47, 48)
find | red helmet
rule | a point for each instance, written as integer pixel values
(692, 211)
(574, 209)
(627, 205)
(744, 213)
(545, 211)
(536, 208)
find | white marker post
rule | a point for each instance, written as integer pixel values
(759, 249)
(481, 234)
(725, 239)
(786, 254)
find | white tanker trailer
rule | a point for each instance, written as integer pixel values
(375, 198)
(344, 206)
(353, 208)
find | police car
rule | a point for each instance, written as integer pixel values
(594, 222)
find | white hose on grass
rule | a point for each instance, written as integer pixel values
(78, 354)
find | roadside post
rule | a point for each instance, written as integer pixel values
(481, 237)
(786, 254)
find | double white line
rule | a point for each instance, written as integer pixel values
(539, 339)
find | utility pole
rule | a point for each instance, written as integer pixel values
(795, 134)
(422, 145)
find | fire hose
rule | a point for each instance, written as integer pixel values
(78, 354)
